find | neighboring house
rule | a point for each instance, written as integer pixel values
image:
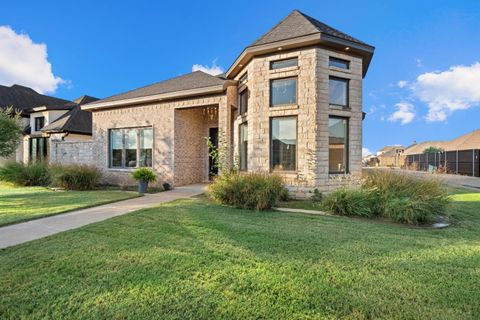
(46, 119)
(291, 103)
(390, 156)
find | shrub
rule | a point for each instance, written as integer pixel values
(248, 191)
(32, 174)
(317, 196)
(144, 174)
(76, 177)
(350, 202)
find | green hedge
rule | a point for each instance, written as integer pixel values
(32, 174)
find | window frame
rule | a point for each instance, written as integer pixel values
(241, 93)
(243, 78)
(295, 170)
(243, 124)
(347, 81)
(347, 62)
(271, 64)
(138, 150)
(347, 146)
(271, 92)
(42, 118)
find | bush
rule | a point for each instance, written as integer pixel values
(32, 174)
(350, 202)
(76, 177)
(399, 197)
(144, 174)
(248, 191)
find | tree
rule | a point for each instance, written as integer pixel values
(432, 150)
(11, 129)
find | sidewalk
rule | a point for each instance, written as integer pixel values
(27, 231)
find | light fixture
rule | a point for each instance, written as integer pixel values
(241, 65)
(347, 48)
(279, 48)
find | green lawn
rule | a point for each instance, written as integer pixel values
(194, 260)
(26, 203)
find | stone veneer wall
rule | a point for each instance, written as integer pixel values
(73, 152)
(162, 117)
(312, 111)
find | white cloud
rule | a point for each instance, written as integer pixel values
(24, 62)
(457, 88)
(366, 152)
(402, 83)
(214, 69)
(405, 113)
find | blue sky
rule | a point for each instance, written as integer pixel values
(410, 93)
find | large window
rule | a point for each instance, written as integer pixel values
(131, 148)
(338, 92)
(285, 63)
(283, 143)
(338, 145)
(39, 123)
(38, 149)
(283, 91)
(244, 101)
(243, 146)
(338, 63)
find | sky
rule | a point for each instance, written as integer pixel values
(423, 82)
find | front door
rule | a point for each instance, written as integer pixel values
(212, 169)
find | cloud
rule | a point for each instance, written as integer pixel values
(457, 88)
(214, 69)
(419, 63)
(405, 113)
(366, 152)
(24, 62)
(402, 83)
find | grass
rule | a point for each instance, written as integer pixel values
(26, 203)
(191, 259)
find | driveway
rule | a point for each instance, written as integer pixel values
(36, 229)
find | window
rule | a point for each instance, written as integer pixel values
(286, 63)
(283, 91)
(131, 148)
(243, 146)
(243, 78)
(338, 145)
(38, 149)
(338, 92)
(244, 102)
(283, 143)
(339, 63)
(39, 123)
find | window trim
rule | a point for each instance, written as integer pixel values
(282, 60)
(239, 147)
(347, 62)
(347, 81)
(35, 122)
(244, 91)
(283, 104)
(110, 150)
(270, 148)
(347, 147)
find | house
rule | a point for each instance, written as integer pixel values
(46, 119)
(390, 156)
(291, 103)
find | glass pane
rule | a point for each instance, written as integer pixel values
(116, 146)
(337, 155)
(130, 136)
(284, 63)
(338, 92)
(243, 146)
(284, 144)
(339, 63)
(284, 91)
(244, 102)
(146, 145)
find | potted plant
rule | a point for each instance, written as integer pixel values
(144, 176)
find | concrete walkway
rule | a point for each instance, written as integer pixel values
(36, 229)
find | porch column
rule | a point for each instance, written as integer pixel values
(225, 122)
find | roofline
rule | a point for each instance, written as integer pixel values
(67, 131)
(158, 97)
(47, 108)
(317, 38)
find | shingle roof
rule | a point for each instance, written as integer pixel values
(298, 24)
(193, 80)
(467, 141)
(75, 120)
(23, 98)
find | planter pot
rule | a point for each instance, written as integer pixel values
(142, 186)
